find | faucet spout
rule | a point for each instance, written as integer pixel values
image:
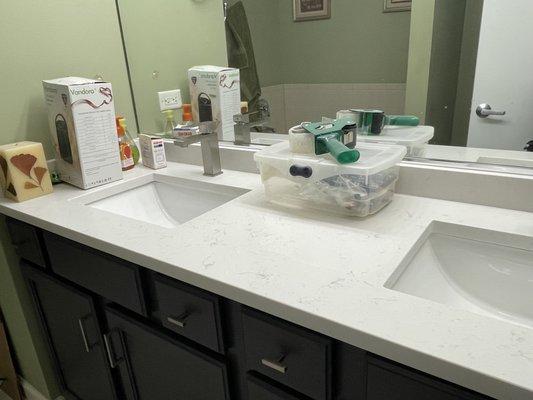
(208, 140)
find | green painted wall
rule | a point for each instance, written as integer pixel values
(442, 62)
(422, 15)
(169, 37)
(43, 40)
(29, 346)
(444, 68)
(467, 72)
(263, 19)
(359, 44)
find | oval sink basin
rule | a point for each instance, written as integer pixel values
(167, 203)
(466, 270)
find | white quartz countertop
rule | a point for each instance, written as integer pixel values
(317, 270)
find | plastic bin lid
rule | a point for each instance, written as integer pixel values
(374, 158)
(404, 135)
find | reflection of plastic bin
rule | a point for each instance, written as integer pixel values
(414, 138)
(319, 182)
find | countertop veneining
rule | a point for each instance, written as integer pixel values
(317, 270)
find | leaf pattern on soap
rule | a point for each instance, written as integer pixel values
(29, 185)
(39, 173)
(3, 164)
(24, 163)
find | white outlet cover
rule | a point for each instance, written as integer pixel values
(170, 100)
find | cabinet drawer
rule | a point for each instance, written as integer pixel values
(291, 355)
(113, 278)
(259, 389)
(25, 239)
(190, 312)
(387, 380)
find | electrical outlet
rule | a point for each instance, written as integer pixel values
(170, 100)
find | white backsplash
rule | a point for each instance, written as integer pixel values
(293, 103)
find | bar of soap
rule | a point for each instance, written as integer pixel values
(24, 172)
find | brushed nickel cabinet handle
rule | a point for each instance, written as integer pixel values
(179, 321)
(275, 365)
(84, 336)
(109, 351)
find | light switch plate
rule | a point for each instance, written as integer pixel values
(170, 100)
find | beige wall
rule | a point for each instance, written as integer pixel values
(43, 40)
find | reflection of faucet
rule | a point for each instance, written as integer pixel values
(208, 139)
(246, 121)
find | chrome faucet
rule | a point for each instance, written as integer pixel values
(246, 121)
(208, 139)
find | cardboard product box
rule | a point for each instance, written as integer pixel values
(152, 151)
(216, 96)
(81, 115)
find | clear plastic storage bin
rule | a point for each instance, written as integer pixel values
(414, 138)
(319, 182)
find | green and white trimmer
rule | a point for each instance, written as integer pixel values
(336, 137)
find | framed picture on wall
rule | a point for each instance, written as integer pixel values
(306, 10)
(397, 5)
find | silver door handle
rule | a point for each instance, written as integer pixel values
(107, 343)
(485, 110)
(84, 335)
(275, 365)
(179, 321)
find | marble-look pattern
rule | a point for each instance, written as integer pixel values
(319, 271)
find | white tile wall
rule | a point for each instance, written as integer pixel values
(293, 103)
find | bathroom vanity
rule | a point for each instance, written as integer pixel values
(235, 298)
(118, 330)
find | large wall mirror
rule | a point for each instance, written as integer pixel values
(461, 66)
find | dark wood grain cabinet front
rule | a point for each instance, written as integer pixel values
(288, 354)
(154, 366)
(26, 241)
(112, 278)
(190, 312)
(260, 389)
(69, 319)
(391, 381)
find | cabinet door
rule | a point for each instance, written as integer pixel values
(154, 366)
(390, 381)
(69, 320)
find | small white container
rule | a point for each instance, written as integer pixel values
(152, 151)
(319, 182)
(414, 138)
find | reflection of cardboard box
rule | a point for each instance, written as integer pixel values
(7, 370)
(81, 115)
(216, 96)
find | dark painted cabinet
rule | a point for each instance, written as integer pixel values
(290, 355)
(154, 366)
(68, 315)
(118, 331)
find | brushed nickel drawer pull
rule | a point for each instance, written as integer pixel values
(179, 321)
(84, 335)
(107, 343)
(275, 365)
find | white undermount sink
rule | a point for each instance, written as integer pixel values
(486, 272)
(164, 201)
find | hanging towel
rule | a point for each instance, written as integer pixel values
(241, 53)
